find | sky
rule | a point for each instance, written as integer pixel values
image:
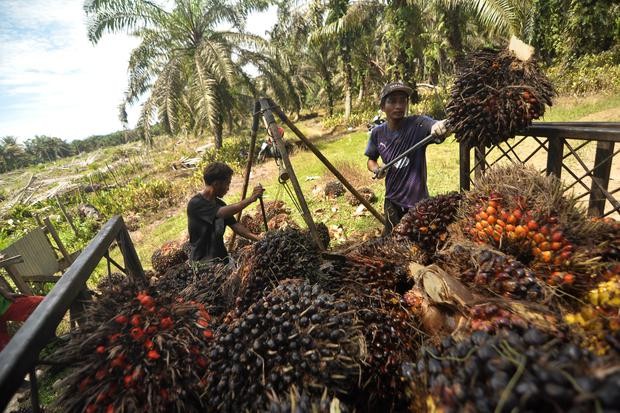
(54, 82)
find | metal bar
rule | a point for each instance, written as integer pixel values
(34, 391)
(113, 262)
(414, 148)
(480, 161)
(267, 106)
(464, 161)
(329, 165)
(610, 134)
(133, 265)
(22, 351)
(601, 172)
(248, 165)
(555, 156)
(262, 210)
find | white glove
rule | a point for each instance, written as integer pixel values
(440, 130)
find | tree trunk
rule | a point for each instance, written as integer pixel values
(360, 94)
(348, 82)
(218, 129)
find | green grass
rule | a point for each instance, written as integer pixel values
(571, 108)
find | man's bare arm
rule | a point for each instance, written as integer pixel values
(243, 231)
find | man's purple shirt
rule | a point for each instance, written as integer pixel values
(405, 182)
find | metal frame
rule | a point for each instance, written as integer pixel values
(20, 356)
(553, 137)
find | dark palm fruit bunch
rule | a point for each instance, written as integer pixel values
(334, 189)
(216, 286)
(111, 283)
(491, 317)
(426, 223)
(501, 274)
(175, 279)
(137, 351)
(392, 338)
(278, 255)
(496, 96)
(167, 256)
(398, 251)
(296, 401)
(510, 371)
(296, 335)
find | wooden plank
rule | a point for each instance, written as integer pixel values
(465, 165)
(480, 160)
(600, 178)
(555, 156)
(132, 261)
(37, 253)
(17, 279)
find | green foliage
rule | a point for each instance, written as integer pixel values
(233, 153)
(15, 223)
(588, 74)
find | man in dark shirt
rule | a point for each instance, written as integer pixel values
(405, 182)
(208, 215)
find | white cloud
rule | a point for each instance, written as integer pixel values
(53, 81)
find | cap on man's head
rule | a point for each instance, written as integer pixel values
(394, 87)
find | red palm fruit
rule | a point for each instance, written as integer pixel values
(100, 350)
(568, 278)
(510, 228)
(521, 231)
(557, 236)
(539, 238)
(517, 214)
(501, 223)
(545, 246)
(512, 219)
(148, 344)
(153, 355)
(114, 337)
(491, 220)
(556, 246)
(166, 323)
(136, 333)
(151, 330)
(118, 361)
(91, 408)
(100, 374)
(208, 334)
(484, 216)
(546, 256)
(85, 383)
(120, 319)
(532, 225)
(491, 210)
(545, 230)
(110, 408)
(135, 320)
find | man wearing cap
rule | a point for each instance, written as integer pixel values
(405, 182)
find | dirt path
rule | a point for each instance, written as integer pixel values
(609, 115)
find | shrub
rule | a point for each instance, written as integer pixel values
(589, 74)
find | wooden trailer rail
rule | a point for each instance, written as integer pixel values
(567, 148)
(20, 356)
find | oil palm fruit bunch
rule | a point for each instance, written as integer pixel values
(281, 254)
(167, 256)
(597, 323)
(490, 317)
(273, 208)
(490, 269)
(175, 279)
(367, 193)
(510, 371)
(334, 189)
(137, 351)
(496, 95)
(426, 223)
(296, 335)
(392, 336)
(398, 251)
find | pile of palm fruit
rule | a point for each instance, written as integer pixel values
(497, 94)
(501, 320)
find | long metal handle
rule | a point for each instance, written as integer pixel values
(388, 165)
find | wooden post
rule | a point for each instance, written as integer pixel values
(326, 162)
(267, 107)
(50, 228)
(465, 165)
(130, 256)
(34, 390)
(248, 166)
(479, 160)
(66, 215)
(601, 172)
(555, 156)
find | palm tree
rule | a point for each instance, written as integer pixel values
(185, 63)
(13, 153)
